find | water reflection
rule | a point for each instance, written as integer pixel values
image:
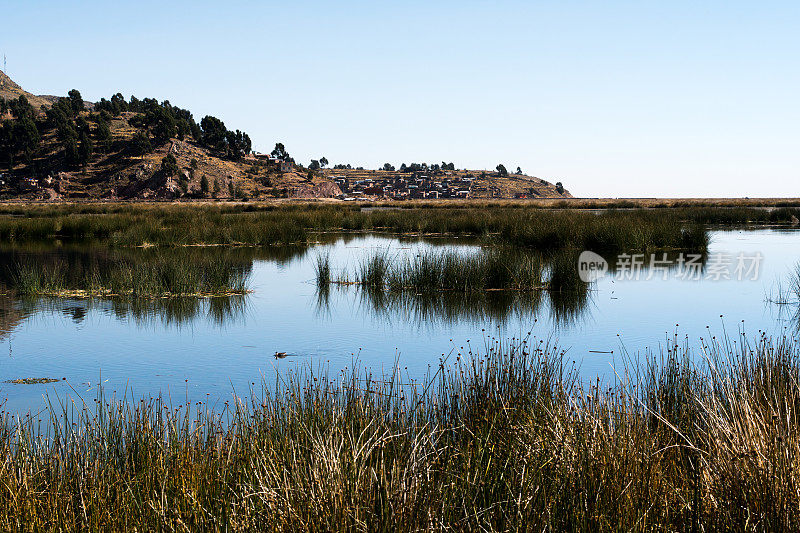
(568, 300)
(79, 263)
(11, 315)
(443, 308)
(143, 312)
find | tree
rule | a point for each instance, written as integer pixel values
(18, 136)
(75, 101)
(102, 133)
(239, 144)
(82, 125)
(85, 149)
(169, 165)
(280, 152)
(140, 143)
(501, 169)
(118, 104)
(559, 188)
(204, 184)
(217, 188)
(388, 167)
(71, 153)
(26, 136)
(20, 108)
(519, 170)
(231, 190)
(162, 124)
(214, 133)
(314, 165)
(323, 161)
(59, 114)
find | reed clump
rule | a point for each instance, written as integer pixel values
(447, 270)
(159, 275)
(322, 270)
(505, 439)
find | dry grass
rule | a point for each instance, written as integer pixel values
(506, 440)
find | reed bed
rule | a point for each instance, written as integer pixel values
(505, 439)
(543, 229)
(447, 286)
(444, 271)
(159, 275)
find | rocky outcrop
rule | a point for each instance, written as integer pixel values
(317, 190)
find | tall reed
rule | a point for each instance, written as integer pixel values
(448, 270)
(150, 276)
(505, 439)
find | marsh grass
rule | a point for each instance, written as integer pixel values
(322, 269)
(157, 275)
(445, 285)
(505, 439)
(447, 270)
(542, 229)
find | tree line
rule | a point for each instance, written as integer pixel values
(81, 133)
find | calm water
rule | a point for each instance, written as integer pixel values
(213, 348)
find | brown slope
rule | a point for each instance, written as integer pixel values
(10, 90)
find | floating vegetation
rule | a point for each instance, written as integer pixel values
(32, 381)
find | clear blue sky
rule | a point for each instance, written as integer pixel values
(612, 98)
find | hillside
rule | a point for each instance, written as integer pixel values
(11, 91)
(55, 148)
(480, 184)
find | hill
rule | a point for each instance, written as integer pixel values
(436, 182)
(55, 148)
(11, 91)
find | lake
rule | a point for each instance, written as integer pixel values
(213, 348)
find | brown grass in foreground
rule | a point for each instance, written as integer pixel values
(506, 440)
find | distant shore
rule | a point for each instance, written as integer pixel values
(553, 203)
